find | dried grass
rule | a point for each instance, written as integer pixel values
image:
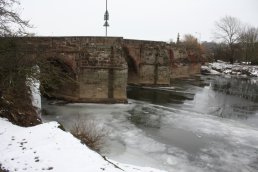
(89, 133)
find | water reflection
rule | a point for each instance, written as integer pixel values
(241, 87)
(234, 98)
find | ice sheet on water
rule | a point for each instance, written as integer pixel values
(228, 144)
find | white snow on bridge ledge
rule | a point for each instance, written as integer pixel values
(47, 148)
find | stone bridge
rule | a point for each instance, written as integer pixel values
(104, 66)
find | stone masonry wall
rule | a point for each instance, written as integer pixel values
(98, 62)
(103, 66)
(184, 63)
(151, 62)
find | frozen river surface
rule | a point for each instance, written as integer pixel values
(206, 123)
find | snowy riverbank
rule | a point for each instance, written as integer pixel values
(46, 147)
(221, 67)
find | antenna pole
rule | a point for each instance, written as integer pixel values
(106, 18)
(106, 31)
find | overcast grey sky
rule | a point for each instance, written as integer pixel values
(135, 19)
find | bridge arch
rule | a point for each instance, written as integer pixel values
(63, 81)
(148, 62)
(133, 66)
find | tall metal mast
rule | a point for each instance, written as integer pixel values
(106, 18)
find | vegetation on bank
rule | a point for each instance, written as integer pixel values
(89, 133)
(15, 93)
(19, 71)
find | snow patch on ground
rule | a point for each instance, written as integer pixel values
(47, 148)
(221, 67)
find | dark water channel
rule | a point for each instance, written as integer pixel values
(204, 123)
(233, 98)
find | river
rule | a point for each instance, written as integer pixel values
(203, 123)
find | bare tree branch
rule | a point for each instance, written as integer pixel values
(227, 31)
(10, 22)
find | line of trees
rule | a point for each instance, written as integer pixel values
(237, 41)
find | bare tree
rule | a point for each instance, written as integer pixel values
(227, 31)
(17, 69)
(190, 42)
(15, 94)
(248, 38)
(10, 22)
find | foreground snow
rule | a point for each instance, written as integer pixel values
(46, 147)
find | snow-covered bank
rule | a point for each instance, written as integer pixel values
(221, 67)
(46, 147)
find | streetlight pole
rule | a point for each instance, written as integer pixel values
(199, 36)
(106, 18)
